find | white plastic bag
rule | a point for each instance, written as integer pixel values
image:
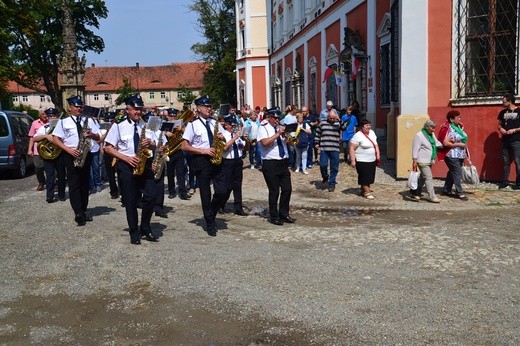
(470, 175)
(413, 179)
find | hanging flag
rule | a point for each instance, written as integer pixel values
(355, 66)
(339, 78)
(328, 72)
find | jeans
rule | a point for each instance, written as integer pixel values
(95, 172)
(333, 156)
(292, 156)
(254, 155)
(507, 148)
(310, 150)
(301, 158)
(454, 176)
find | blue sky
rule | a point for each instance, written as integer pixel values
(152, 32)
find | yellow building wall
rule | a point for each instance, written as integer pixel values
(406, 128)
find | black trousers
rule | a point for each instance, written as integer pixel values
(132, 186)
(111, 174)
(278, 179)
(206, 173)
(159, 194)
(78, 180)
(55, 168)
(234, 174)
(176, 168)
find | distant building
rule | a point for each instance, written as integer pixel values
(158, 85)
(404, 61)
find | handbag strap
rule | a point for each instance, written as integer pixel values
(371, 141)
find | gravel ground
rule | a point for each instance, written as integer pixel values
(349, 272)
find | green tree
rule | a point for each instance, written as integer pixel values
(217, 25)
(126, 90)
(31, 33)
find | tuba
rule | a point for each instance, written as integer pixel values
(218, 145)
(47, 149)
(175, 141)
(142, 153)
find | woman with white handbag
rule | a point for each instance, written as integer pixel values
(424, 151)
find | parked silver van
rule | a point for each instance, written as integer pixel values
(14, 142)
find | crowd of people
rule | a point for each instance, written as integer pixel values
(198, 151)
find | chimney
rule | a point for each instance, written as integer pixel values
(92, 65)
(137, 65)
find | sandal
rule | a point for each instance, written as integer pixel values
(369, 196)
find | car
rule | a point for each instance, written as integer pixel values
(14, 142)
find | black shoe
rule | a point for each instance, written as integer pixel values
(87, 218)
(62, 199)
(161, 214)
(114, 196)
(80, 220)
(288, 219)
(240, 212)
(172, 195)
(276, 221)
(331, 188)
(185, 197)
(503, 185)
(135, 241)
(325, 180)
(149, 236)
(212, 231)
(50, 200)
(223, 211)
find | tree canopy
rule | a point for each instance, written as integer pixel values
(217, 25)
(32, 41)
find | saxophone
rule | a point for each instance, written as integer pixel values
(142, 153)
(175, 141)
(160, 159)
(218, 145)
(84, 146)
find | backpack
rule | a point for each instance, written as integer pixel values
(303, 138)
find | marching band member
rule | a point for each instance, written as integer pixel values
(68, 134)
(53, 168)
(275, 167)
(198, 141)
(232, 162)
(176, 166)
(122, 142)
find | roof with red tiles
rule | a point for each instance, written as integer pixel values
(167, 77)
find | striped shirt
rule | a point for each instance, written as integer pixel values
(328, 135)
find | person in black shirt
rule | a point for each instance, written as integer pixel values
(509, 127)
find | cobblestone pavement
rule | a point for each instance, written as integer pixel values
(350, 271)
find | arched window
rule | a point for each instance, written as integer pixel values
(331, 92)
(313, 84)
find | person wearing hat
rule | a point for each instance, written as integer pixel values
(176, 166)
(33, 149)
(275, 167)
(67, 134)
(232, 162)
(198, 141)
(53, 168)
(122, 142)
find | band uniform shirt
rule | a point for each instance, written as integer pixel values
(229, 154)
(67, 130)
(121, 136)
(196, 132)
(271, 152)
(42, 130)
